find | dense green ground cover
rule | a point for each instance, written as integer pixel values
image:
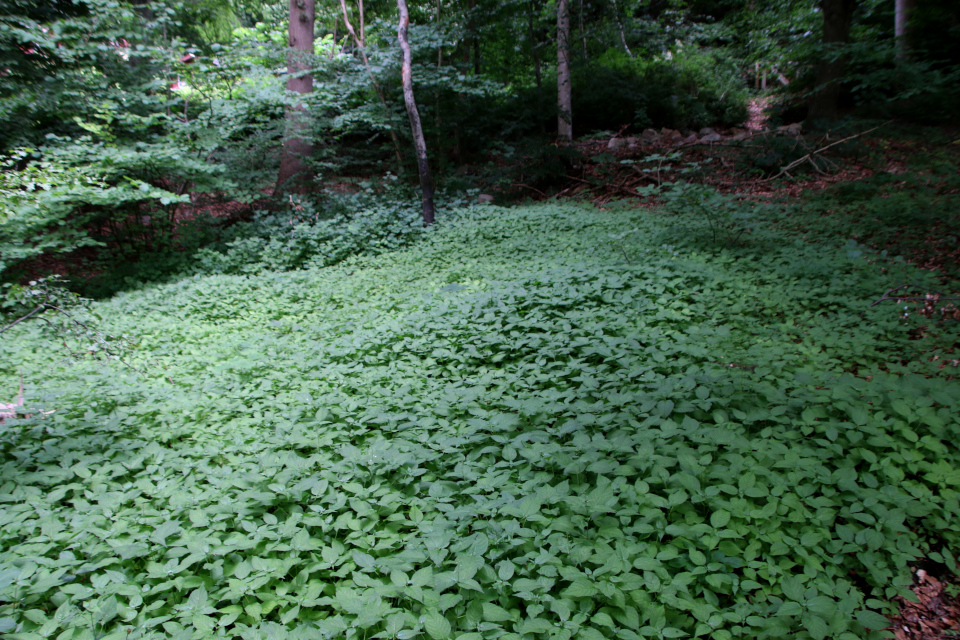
(529, 424)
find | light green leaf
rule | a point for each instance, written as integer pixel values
(495, 613)
(436, 625)
(719, 519)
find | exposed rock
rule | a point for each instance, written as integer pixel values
(706, 131)
(649, 136)
(712, 137)
(671, 136)
(690, 139)
(620, 143)
(484, 198)
(794, 129)
(740, 135)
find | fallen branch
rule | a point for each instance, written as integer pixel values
(526, 186)
(19, 320)
(809, 157)
(887, 296)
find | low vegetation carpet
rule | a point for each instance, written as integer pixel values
(540, 422)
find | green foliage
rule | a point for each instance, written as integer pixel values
(506, 430)
(50, 205)
(68, 318)
(302, 237)
(692, 89)
(727, 217)
(689, 89)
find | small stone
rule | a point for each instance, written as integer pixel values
(712, 137)
(484, 198)
(649, 135)
(616, 143)
(690, 139)
(794, 129)
(671, 136)
(706, 131)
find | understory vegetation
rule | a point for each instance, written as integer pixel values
(479, 320)
(546, 421)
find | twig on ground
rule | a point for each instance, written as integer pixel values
(809, 157)
(887, 296)
(526, 186)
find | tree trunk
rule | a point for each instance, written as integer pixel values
(583, 32)
(564, 96)
(623, 36)
(406, 73)
(475, 40)
(837, 16)
(373, 79)
(901, 22)
(295, 147)
(534, 46)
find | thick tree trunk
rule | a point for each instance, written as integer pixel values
(564, 95)
(406, 73)
(837, 17)
(295, 147)
(900, 27)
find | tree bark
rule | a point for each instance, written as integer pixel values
(534, 45)
(564, 95)
(406, 74)
(837, 17)
(295, 147)
(623, 36)
(474, 39)
(901, 26)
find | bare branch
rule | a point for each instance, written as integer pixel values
(19, 320)
(809, 157)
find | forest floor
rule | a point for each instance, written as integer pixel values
(913, 167)
(541, 420)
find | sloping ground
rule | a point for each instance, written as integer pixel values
(545, 422)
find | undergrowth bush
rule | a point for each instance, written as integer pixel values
(505, 431)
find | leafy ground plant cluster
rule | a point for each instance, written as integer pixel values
(527, 425)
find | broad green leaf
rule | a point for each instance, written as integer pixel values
(495, 613)
(436, 625)
(719, 519)
(872, 620)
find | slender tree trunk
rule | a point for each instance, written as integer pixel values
(373, 80)
(564, 95)
(901, 24)
(333, 47)
(583, 34)
(295, 147)
(623, 36)
(439, 145)
(406, 73)
(837, 17)
(475, 40)
(534, 46)
(363, 29)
